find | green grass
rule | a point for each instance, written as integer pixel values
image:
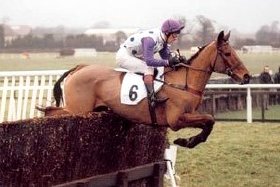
(236, 154)
(272, 113)
(49, 61)
(256, 62)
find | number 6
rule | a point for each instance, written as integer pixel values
(132, 93)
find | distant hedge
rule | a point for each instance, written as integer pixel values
(53, 150)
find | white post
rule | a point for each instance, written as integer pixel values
(249, 105)
(41, 93)
(4, 99)
(26, 95)
(20, 98)
(34, 97)
(49, 91)
(170, 155)
(12, 107)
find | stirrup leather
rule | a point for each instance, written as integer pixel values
(153, 101)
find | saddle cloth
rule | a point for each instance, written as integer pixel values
(133, 89)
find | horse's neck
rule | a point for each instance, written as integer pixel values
(197, 80)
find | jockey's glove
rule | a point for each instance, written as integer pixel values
(173, 61)
(183, 59)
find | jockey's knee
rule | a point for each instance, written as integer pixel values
(148, 79)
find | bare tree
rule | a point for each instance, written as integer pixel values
(2, 37)
(269, 35)
(183, 21)
(206, 32)
(120, 37)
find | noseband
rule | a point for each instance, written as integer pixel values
(228, 68)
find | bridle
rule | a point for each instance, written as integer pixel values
(228, 69)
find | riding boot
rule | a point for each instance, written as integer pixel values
(152, 96)
(152, 100)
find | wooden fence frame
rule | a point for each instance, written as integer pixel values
(123, 177)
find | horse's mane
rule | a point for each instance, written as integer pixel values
(196, 54)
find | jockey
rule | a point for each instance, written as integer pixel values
(137, 53)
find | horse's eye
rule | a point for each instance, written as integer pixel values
(227, 54)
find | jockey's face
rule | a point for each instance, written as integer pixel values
(173, 37)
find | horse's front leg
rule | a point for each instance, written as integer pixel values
(194, 120)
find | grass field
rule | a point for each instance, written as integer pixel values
(272, 113)
(50, 61)
(236, 154)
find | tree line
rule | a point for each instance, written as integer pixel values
(203, 34)
(266, 35)
(49, 42)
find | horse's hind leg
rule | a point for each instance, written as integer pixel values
(203, 121)
(53, 111)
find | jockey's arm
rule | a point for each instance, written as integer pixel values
(148, 53)
(165, 52)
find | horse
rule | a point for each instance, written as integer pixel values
(89, 87)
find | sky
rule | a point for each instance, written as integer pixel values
(246, 16)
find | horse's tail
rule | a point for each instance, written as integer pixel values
(57, 91)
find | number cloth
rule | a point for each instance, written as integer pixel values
(133, 89)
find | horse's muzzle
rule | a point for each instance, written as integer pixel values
(246, 79)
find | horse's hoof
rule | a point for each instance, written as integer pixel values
(189, 143)
(181, 142)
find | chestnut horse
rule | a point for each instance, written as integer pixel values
(89, 87)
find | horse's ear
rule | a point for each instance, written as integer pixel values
(220, 37)
(226, 37)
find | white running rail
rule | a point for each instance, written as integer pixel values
(21, 91)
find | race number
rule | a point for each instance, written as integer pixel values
(133, 92)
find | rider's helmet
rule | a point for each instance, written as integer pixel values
(171, 26)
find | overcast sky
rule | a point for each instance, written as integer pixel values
(244, 15)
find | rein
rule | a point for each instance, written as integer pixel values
(229, 71)
(181, 87)
(194, 68)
